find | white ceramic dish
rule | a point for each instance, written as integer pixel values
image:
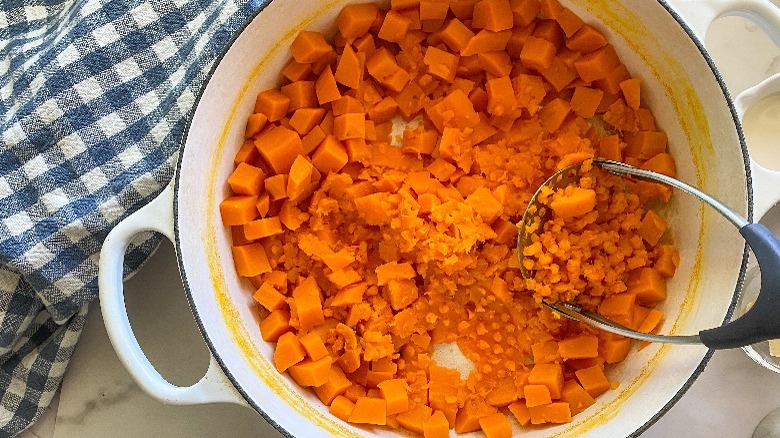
(660, 42)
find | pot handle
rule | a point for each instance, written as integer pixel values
(766, 182)
(699, 15)
(214, 386)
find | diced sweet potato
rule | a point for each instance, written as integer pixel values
(436, 426)
(417, 417)
(341, 407)
(268, 297)
(557, 412)
(310, 372)
(238, 210)
(549, 375)
(496, 426)
(369, 411)
(275, 324)
(615, 350)
(579, 347)
(356, 19)
(469, 415)
(577, 203)
(250, 260)
(648, 285)
(288, 352)
(309, 47)
(536, 395)
(308, 304)
(396, 395)
(577, 398)
(652, 228)
(593, 380)
(364, 246)
(279, 147)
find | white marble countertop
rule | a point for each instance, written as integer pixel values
(99, 399)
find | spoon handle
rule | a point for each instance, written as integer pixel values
(762, 321)
(592, 318)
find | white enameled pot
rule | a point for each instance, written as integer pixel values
(661, 42)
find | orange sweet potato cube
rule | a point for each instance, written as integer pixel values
(436, 426)
(247, 180)
(537, 53)
(262, 228)
(330, 156)
(349, 70)
(576, 396)
(667, 258)
(302, 94)
(579, 347)
(593, 380)
(396, 394)
(309, 47)
(308, 304)
(356, 19)
(661, 163)
(615, 350)
(504, 394)
(652, 228)
(279, 147)
(288, 352)
(269, 297)
(645, 144)
(618, 305)
(496, 426)
(549, 375)
(456, 35)
(341, 407)
(648, 285)
(536, 395)
(467, 419)
(401, 293)
(577, 203)
(275, 324)
(585, 101)
(558, 412)
(493, 15)
(521, 413)
(315, 348)
(238, 210)
(312, 373)
(394, 27)
(273, 104)
(441, 64)
(302, 179)
(349, 126)
(369, 411)
(250, 260)
(501, 96)
(337, 384)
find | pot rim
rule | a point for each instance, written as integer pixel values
(215, 353)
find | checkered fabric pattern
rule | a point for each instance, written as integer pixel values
(94, 98)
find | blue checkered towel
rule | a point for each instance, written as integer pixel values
(94, 98)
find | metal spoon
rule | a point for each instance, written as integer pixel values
(760, 323)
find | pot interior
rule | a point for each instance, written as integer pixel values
(678, 85)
